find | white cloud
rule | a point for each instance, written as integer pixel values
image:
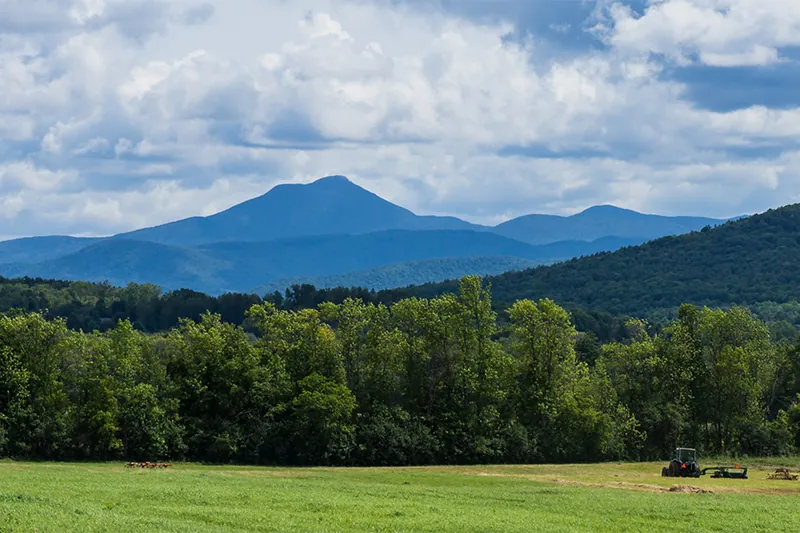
(11, 205)
(108, 212)
(117, 114)
(96, 144)
(719, 32)
(22, 175)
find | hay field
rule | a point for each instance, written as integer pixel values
(100, 497)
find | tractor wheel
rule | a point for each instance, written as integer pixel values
(665, 472)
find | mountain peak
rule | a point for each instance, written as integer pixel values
(332, 179)
(330, 205)
(326, 181)
(605, 209)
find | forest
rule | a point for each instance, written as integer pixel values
(89, 306)
(440, 380)
(742, 262)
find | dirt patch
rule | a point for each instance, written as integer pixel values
(690, 488)
(641, 486)
(265, 473)
(615, 485)
(499, 474)
(646, 487)
(610, 485)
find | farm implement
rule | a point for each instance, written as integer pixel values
(147, 464)
(783, 473)
(684, 464)
(733, 472)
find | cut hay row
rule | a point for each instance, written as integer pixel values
(147, 464)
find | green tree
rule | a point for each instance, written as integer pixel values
(40, 347)
(732, 363)
(322, 429)
(651, 379)
(14, 398)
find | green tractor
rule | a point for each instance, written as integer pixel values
(683, 464)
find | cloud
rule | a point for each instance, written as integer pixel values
(25, 176)
(46, 210)
(118, 114)
(712, 32)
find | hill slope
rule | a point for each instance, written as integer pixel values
(407, 273)
(328, 206)
(240, 266)
(120, 262)
(36, 249)
(741, 262)
(597, 222)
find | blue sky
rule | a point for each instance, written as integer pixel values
(117, 114)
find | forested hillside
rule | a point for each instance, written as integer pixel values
(38, 249)
(421, 382)
(751, 262)
(740, 262)
(240, 266)
(407, 273)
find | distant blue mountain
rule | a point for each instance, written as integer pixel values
(36, 249)
(330, 227)
(408, 273)
(334, 205)
(328, 206)
(240, 266)
(121, 261)
(597, 222)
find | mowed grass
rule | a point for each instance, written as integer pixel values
(57, 497)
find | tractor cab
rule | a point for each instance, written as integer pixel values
(683, 464)
(685, 455)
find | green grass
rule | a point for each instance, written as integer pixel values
(56, 497)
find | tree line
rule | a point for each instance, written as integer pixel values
(91, 306)
(421, 381)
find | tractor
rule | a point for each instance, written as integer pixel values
(683, 464)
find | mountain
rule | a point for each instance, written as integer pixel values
(36, 249)
(335, 205)
(407, 273)
(745, 261)
(331, 227)
(239, 266)
(328, 206)
(596, 222)
(120, 262)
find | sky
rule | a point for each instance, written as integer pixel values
(120, 114)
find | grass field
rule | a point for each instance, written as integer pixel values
(54, 497)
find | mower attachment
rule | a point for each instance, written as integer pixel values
(734, 472)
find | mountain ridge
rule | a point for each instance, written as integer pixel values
(238, 266)
(325, 195)
(742, 261)
(598, 221)
(403, 274)
(306, 230)
(328, 206)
